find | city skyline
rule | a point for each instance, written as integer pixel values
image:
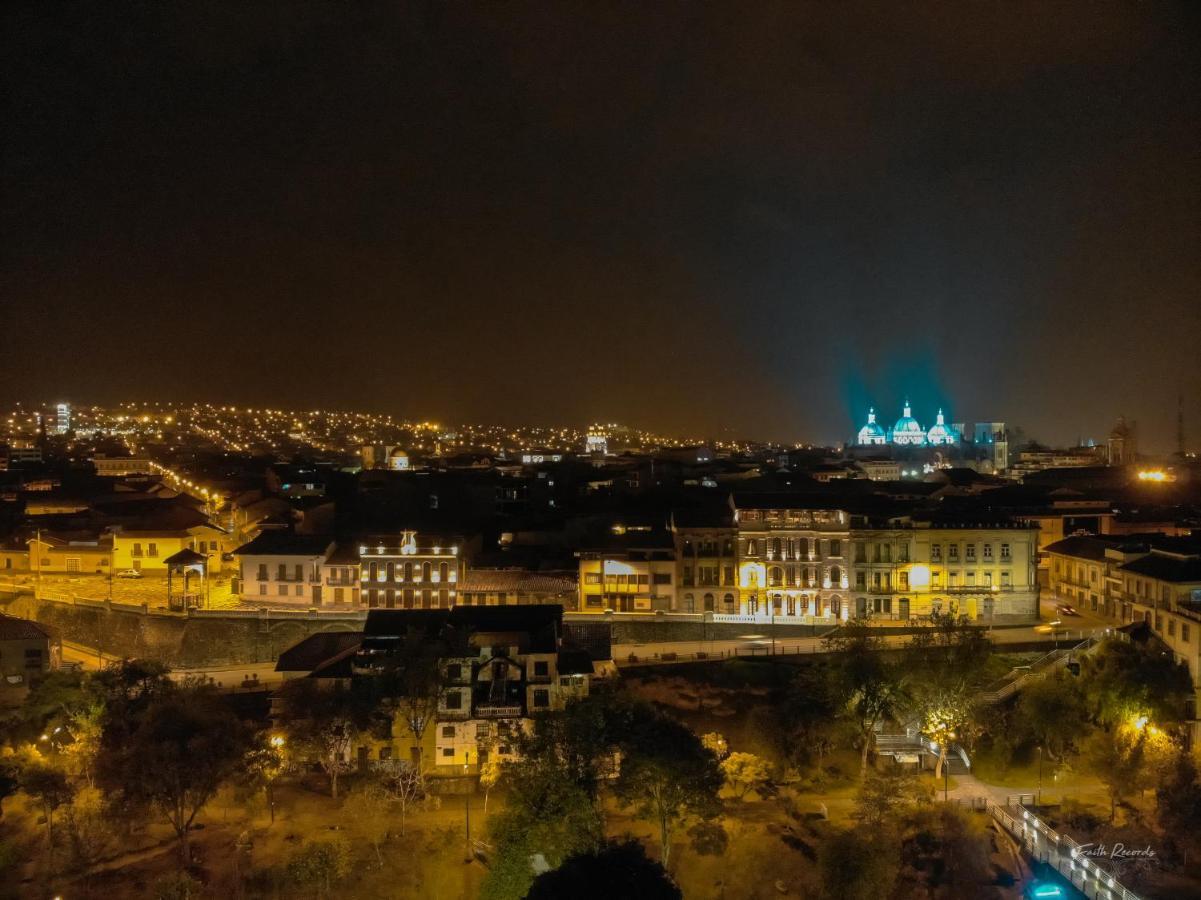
(762, 222)
(570, 434)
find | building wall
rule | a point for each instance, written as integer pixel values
(21, 662)
(793, 563)
(283, 579)
(624, 582)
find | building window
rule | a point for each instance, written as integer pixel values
(689, 603)
(1004, 579)
(262, 571)
(836, 548)
(283, 590)
(988, 551)
(936, 552)
(592, 578)
(137, 549)
(152, 549)
(262, 589)
(541, 667)
(454, 671)
(454, 700)
(971, 551)
(448, 731)
(1184, 632)
(1004, 551)
(662, 578)
(448, 751)
(33, 658)
(541, 698)
(953, 552)
(1171, 628)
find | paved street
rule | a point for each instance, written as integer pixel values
(150, 589)
(760, 643)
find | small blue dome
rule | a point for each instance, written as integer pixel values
(872, 432)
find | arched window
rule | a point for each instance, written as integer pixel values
(391, 572)
(775, 576)
(728, 602)
(442, 570)
(425, 573)
(775, 546)
(750, 547)
(803, 548)
(689, 603)
(835, 577)
(408, 571)
(709, 602)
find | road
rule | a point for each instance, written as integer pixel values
(149, 589)
(760, 643)
(246, 675)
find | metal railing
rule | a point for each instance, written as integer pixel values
(1057, 850)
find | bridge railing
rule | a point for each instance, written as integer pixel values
(1060, 851)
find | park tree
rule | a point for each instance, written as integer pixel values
(10, 780)
(716, 744)
(175, 755)
(1178, 808)
(947, 849)
(1117, 759)
(666, 773)
(50, 787)
(323, 722)
(745, 772)
(1052, 712)
(491, 772)
(263, 765)
(945, 664)
(884, 796)
(412, 680)
(868, 683)
(616, 869)
(1124, 680)
(549, 817)
(804, 721)
(404, 785)
(86, 827)
(320, 865)
(858, 865)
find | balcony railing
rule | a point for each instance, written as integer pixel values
(498, 712)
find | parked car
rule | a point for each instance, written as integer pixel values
(1065, 610)
(129, 573)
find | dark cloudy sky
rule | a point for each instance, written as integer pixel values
(751, 217)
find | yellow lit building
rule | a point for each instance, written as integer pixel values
(792, 558)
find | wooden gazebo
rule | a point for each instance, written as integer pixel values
(187, 579)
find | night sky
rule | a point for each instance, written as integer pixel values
(744, 218)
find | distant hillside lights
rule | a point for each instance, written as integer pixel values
(908, 432)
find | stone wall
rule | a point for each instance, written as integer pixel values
(210, 638)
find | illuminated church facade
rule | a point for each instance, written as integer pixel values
(908, 432)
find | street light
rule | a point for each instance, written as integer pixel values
(1039, 801)
(467, 807)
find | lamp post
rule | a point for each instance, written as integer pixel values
(1039, 800)
(467, 809)
(946, 767)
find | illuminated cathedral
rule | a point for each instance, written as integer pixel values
(907, 431)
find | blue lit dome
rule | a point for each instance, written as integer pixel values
(907, 430)
(872, 432)
(942, 433)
